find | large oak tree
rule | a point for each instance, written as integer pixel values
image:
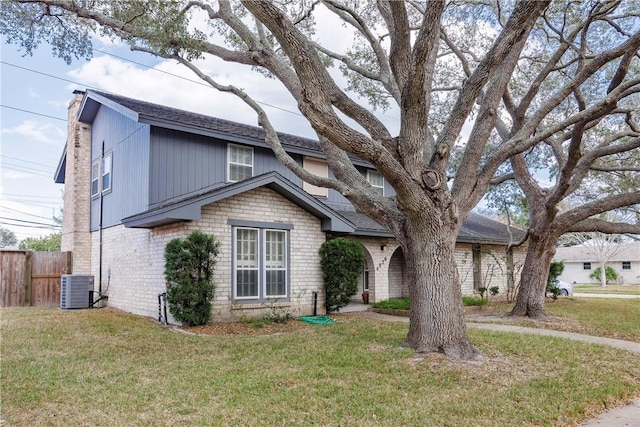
(442, 64)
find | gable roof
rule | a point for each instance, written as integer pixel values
(186, 121)
(189, 208)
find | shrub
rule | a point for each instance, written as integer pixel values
(610, 274)
(555, 270)
(342, 262)
(189, 266)
(393, 304)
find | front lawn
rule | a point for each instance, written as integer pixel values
(104, 367)
(604, 317)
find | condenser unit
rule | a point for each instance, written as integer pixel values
(75, 291)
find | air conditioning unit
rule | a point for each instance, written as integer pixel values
(75, 291)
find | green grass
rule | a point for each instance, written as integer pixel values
(393, 304)
(103, 367)
(610, 289)
(607, 317)
(403, 303)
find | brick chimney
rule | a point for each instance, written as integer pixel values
(76, 235)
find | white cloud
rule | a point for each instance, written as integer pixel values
(172, 84)
(38, 131)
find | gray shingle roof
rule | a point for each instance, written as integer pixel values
(476, 228)
(148, 110)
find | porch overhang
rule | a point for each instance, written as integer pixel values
(190, 208)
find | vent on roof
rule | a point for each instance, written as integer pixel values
(75, 291)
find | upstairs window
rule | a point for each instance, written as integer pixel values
(106, 172)
(626, 265)
(95, 178)
(376, 180)
(240, 162)
(586, 266)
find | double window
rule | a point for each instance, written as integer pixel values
(260, 263)
(586, 266)
(626, 265)
(239, 162)
(101, 175)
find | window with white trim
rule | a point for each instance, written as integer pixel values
(239, 162)
(586, 266)
(106, 172)
(261, 257)
(376, 180)
(626, 265)
(95, 178)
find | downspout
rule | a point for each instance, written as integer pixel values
(100, 177)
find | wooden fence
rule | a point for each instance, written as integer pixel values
(32, 278)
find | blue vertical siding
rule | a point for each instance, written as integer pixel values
(182, 163)
(129, 143)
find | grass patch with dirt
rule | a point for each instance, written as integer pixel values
(104, 367)
(604, 317)
(609, 289)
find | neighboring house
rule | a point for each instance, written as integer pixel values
(581, 261)
(137, 175)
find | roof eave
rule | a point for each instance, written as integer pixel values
(191, 209)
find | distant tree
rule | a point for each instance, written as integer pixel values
(7, 238)
(603, 247)
(50, 243)
(610, 274)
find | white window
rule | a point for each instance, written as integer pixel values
(240, 162)
(275, 264)
(95, 178)
(626, 265)
(106, 172)
(246, 263)
(365, 278)
(586, 266)
(376, 180)
(260, 264)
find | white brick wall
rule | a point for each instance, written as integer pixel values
(136, 256)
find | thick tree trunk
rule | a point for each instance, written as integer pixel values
(437, 316)
(603, 275)
(533, 278)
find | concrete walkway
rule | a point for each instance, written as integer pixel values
(624, 416)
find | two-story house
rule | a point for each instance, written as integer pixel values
(137, 175)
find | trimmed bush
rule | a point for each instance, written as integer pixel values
(342, 263)
(189, 266)
(469, 301)
(393, 304)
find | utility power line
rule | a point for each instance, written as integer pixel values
(28, 222)
(28, 161)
